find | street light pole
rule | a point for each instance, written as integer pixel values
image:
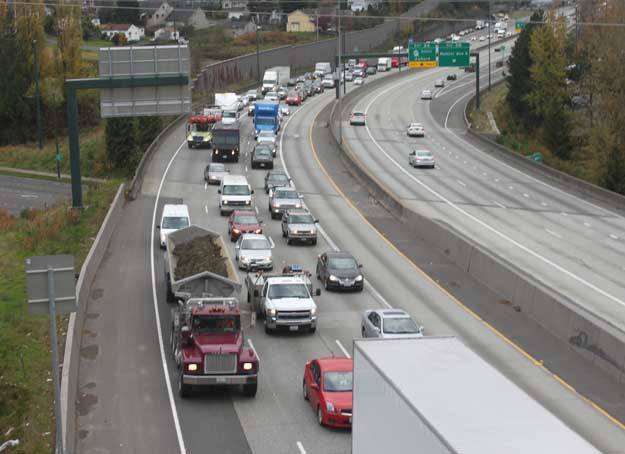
(338, 92)
(490, 29)
(257, 54)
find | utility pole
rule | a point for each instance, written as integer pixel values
(37, 96)
(257, 53)
(490, 29)
(317, 23)
(338, 92)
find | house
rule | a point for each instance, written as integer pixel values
(230, 4)
(236, 28)
(96, 22)
(130, 31)
(166, 34)
(237, 13)
(363, 5)
(159, 17)
(300, 21)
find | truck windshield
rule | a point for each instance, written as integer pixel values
(400, 326)
(236, 189)
(216, 324)
(285, 195)
(265, 121)
(200, 127)
(340, 381)
(301, 219)
(175, 222)
(230, 114)
(278, 291)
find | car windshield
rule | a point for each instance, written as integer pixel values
(415, 125)
(342, 263)
(265, 121)
(339, 381)
(285, 194)
(403, 325)
(262, 152)
(200, 127)
(216, 324)
(358, 114)
(245, 219)
(230, 114)
(278, 177)
(217, 168)
(278, 291)
(424, 154)
(175, 222)
(301, 219)
(236, 189)
(255, 244)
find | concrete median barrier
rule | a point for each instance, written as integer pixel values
(595, 338)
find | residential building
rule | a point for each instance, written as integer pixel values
(300, 21)
(236, 28)
(166, 34)
(159, 17)
(237, 13)
(130, 31)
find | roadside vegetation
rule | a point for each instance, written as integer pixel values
(564, 95)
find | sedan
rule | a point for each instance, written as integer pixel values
(276, 179)
(416, 130)
(389, 323)
(253, 252)
(372, 70)
(439, 83)
(262, 156)
(359, 81)
(357, 118)
(482, 38)
(451, 77)
(252, 95)
(339, 270)
(214, 172)
(426, 94)
(269, 138)
(327, 386)
(421, 158)
(283, 199)
(294, 99)
(243, 221)
(284, 110)
(349, 76)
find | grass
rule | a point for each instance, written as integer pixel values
(26, 391)
(489, 102)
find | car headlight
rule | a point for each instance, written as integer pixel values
(247, 202)
(258, 231)
(271, 312)
(333, 277)
(224, 202)
(298, 205)
(359, 278)
(192, 367)
(330, 407)
(295, 231)
(244, 259)
(313, 311)
(236, 231)
(248, 366)
(276, 205)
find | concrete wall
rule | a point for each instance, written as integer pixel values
(597, 339)
(69, 379)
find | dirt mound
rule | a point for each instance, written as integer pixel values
(198, 255)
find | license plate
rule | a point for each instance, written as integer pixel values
(262, 164)
(220, 380)
(294, 328)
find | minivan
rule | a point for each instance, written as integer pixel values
(235, 193)
(174, 217)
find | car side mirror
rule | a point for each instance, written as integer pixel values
(421, 328)
(301, 196)
(218, 191)
(316, 221)
(314, 386)
(158, 227)
(256, 293)
(318, 292)
(185, 333)
(360, 266)
(377, 328)
(252, 192)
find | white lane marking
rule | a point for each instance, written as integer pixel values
(481, 222)
(544, 204)
(300, 446)
(245, 169)
(273, 245)
(563, 213)
(170, 394)
(527, 196)
(249, 341)
(256, 209)
(499, 204)
(377, 295)
(206, 209)
(613, 236)
(29, 196)
(586, 224)
(345, 352)
(551, 232)
(461, 183)
(206, 186)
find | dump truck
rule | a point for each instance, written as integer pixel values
(206, 338)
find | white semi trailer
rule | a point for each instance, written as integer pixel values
(434, 395)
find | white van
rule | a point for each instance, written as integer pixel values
(174, 217)
(236, 193)
(384, 64)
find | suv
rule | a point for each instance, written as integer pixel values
(283, 199)
(299, 225)
(235, 192)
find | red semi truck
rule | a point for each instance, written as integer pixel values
(207, 341)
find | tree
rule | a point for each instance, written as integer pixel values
(520, 64)
(614, 171)
(89, 31)
(120, 141)
(70, 39)
(126, 12)
(147, 130)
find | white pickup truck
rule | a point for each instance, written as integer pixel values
(284, 300)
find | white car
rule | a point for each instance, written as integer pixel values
(357, 118)
(426, 94)
(389, 323)
(421, 158)
(328, 81)
(439, 83)
(359, 81)
(482, 38)
(253, 252)
(473, 38)
(416, 130)
(284, 110)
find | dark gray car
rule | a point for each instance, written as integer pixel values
(262, 157)
(340, 271)
(276, 179)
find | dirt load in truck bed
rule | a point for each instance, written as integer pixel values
(198, 255)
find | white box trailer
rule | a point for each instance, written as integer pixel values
(434, 395)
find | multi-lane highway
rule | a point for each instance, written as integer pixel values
(128, 400)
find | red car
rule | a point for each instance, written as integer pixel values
(328, 387)
(243, 221)
(294, 99)
(364, 62)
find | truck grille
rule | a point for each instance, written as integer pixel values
(220, 364)
(237, 203)
(293, 315)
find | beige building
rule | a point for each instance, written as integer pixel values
(299, 21)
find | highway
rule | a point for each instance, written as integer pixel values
(128, 400)
(18, 194)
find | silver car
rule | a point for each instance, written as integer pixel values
(269, 138)
(299, 225)
(214, 172)
(439, 83)
(389, 323)
(282, 199)
(416, 130)
(426, 94)
(253, 252)
(421, 158)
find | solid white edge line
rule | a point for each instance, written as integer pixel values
(499, 204)
(345, 352)
(551, 232)
(172, 402)
(249, 341)
(300, 446)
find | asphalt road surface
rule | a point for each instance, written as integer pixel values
(18, 194)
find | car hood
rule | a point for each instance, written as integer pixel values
(286, 201)
(218, 342)
(340, 400)
(293, 304)
(255, 253)
(312, 227)
(246, 227)
(351, 274)
(217, 174)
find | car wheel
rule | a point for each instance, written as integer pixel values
(283, 234)
(250, 390)
(319, 416)
(325, 284)
(304, 390)
(288, 241)
(184, 391)
(314, 242)
(363, 333)
(312, 329)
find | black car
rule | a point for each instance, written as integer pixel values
(262, 156)
(339, 271)
(276, 179)
(291, 83)
(372, 70)
(317, 86)
(308, 87)
(451, 77)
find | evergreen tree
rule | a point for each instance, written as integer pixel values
(614, 172)
(126, 12)
(147, 130)
(120, 142)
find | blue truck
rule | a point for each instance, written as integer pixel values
(266, 117)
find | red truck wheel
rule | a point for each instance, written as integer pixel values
(184, 391)
(250, 390)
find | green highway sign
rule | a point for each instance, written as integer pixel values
(519, 25)
(422, 52)
(453, 54)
